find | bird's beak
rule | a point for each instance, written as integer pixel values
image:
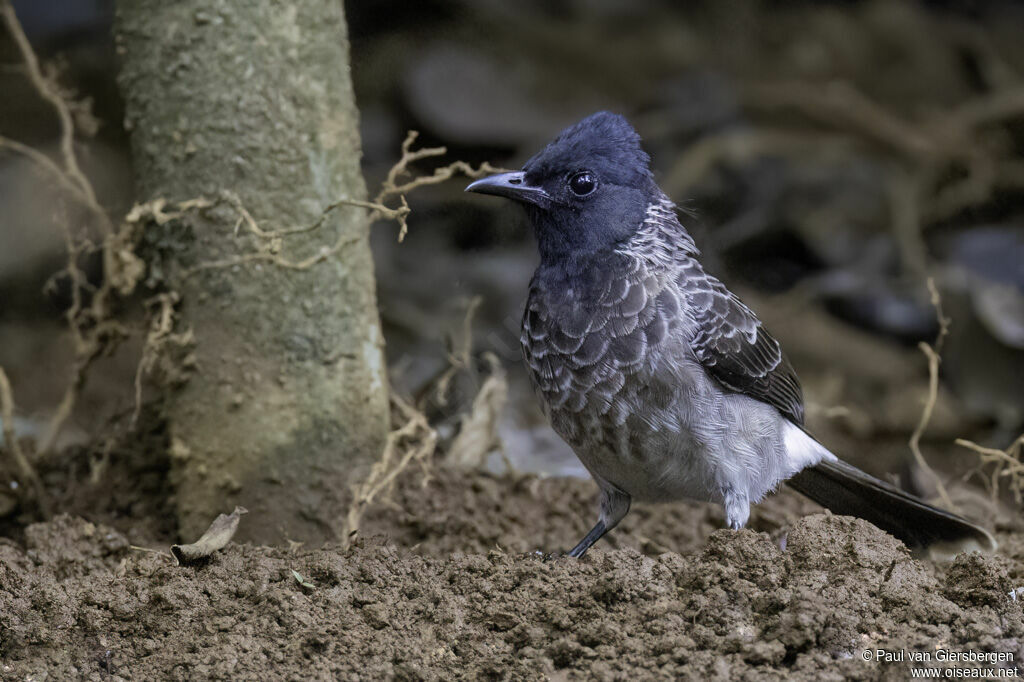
(512, 186)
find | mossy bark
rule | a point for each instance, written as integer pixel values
(288, 400)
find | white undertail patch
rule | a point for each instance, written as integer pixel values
(802, 451)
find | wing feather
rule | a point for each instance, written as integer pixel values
(737, 350)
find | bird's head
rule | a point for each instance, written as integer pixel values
(586, 192)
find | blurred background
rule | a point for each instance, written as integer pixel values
(831, 157)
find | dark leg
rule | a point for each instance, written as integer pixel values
(595, 534)
(614, 506)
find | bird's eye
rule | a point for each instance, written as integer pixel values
(583, 183)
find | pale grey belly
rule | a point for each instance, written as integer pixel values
(678, 436)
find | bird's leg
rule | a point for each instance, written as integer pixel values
(614, 506)
(737, 508)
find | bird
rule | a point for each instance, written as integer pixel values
(663, 382)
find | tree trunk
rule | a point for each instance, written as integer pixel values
(288, 400)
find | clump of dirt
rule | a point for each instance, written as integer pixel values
(453, 592)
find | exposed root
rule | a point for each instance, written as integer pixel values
(272, 241)
(1006, 464)
(94, 331)
(164, 349)
(415, 441)
(22, 462)
(390, 187)
(934, 358)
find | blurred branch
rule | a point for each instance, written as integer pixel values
(942, 136)
(840, 105)
(739, 146)
(49, 91)
(940, 146)
(988, 109)
(478, 427)
(904, 192)
(66, 181)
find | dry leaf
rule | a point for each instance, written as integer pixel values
(216, 537)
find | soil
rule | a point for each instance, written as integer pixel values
(446, 583)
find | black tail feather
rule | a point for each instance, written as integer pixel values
(848, 491)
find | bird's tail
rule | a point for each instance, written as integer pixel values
(848, 491)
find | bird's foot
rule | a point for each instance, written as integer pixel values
(737, 509)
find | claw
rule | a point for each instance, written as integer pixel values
(737, 509)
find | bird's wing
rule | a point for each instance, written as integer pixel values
(735, 348)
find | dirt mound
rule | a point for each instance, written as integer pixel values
(478, 513)
(451, 592)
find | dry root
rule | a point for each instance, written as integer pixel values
(21, 462)
(413, 441)
(934, 358)
(165, 350)
(392, 190)
(1006, 465)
